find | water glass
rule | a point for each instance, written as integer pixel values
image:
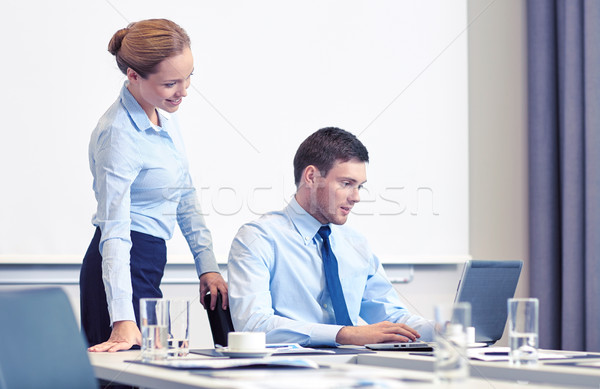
(154, 325)
(451, 323)
(179, 327)
(523, 331)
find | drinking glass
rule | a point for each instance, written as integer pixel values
(451, 323)
(154, 326)
(179, 327)
(523, 331)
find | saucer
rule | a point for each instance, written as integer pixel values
(477, 345)
(244, 354)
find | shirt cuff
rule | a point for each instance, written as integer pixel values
(206, 262)
(426, 330)
(121, 309)
(324, 335)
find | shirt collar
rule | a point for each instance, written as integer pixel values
(306, 224)
(138, 115)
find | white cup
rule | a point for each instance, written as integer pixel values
(246, 341)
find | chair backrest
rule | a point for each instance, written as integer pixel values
(220, 321)
(40, 342)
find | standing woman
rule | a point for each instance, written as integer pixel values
(142, 186)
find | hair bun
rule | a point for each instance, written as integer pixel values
(115, 42)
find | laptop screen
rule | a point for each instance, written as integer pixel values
(487, 285)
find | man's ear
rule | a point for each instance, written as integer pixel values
(310, 176)
(132, 75)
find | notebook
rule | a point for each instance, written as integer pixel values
(487, 285)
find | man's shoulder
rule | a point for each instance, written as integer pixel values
(259, 239)
(267, 223)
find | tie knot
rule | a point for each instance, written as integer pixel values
(324, 231)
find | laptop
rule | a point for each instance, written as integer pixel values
(487, 285)
(404, 346)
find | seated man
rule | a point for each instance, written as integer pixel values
(283, 275)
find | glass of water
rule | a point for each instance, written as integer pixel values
(179, 327)
(451, 323)
(523, 331)
(154, 322)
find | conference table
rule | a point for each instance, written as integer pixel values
(382, 369)
(576, 370)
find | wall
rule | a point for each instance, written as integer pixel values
(498, 133)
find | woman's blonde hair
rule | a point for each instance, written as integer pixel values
(142, 45)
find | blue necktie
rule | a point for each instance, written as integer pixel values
(333, 280)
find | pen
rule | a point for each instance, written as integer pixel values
(495, 353)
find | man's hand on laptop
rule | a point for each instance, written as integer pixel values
(377, 333)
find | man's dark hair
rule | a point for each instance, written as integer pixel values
(326, 146)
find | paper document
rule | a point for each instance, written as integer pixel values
(334, 377)
(295, 348)
(212, 364)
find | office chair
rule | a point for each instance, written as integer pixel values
(40, 342)
(220, 321)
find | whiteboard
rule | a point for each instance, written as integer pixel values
(267, 74)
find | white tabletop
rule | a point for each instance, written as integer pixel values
(545, 372)
(339, 370)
